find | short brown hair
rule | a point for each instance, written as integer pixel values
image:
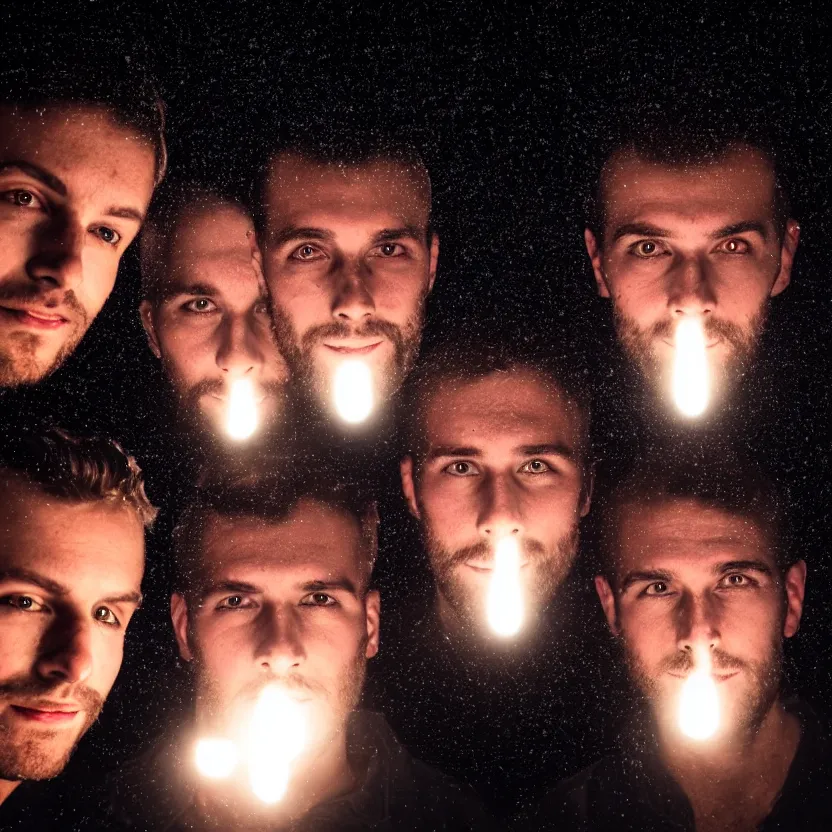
(83, 469)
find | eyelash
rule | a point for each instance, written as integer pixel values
(187, 306)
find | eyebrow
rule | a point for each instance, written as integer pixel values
(642, 576)
(29, 577)
(639, 229)
(411, 232)
(548, 449)
(344, 584)
(743, 566)
(741, 228)
(127, 598)
(229, 586)
(286, 235)
(125, 213)
(178, 287)
(452, 450)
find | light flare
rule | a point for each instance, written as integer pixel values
(691, 382)
(353, 391)
(504, 602)
(699, 709)
(216, 757)
(241, 417)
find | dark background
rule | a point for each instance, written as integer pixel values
(509, 102)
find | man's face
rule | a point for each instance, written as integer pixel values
(284, 603)
(74, 188)
(697, 241)
(502, 456)
(690, 578)
(70, 577)
(349, 265)
(211, 325)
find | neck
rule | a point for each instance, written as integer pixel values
(733, 784)
(316, 777)
(6, 788)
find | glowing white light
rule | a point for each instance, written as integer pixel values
(699, 701)
(504, 603)
(216, 757)
(353, 391)
(277, 735)
(691, 385)
(241, 415)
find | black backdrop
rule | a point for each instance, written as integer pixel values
(509, 102)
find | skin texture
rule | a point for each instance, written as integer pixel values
(688, 577)
(287, 603)
(690, 241)
(348, 265)
(503, 456)
(62, 623)
(64, 226)
(212, 325)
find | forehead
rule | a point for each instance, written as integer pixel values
(214, 239)
(739, 183)
(90, 547)
(685, 534)
(83, 145)
(313, 538)
(301, 190)
(504, 407)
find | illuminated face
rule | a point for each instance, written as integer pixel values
(74, 188)
(691, 241)
(212, 325)
(348, 265)
(280, 602)
(502, 456)
(70, 575)
(690, 578)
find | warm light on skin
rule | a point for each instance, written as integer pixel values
(699, 708)
(353, 391)
(504, 603)
(691, 382)
(216, 758)
(241, 416)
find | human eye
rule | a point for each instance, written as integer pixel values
(535, 466)
(106, 234)
(657, 589)
(318, 599)
(235, 602)
(25, 603)
(460, 469)
(647, 249)
(307, 253)
(200, 306)
(736, 580)
(261, 307)
(389, 250)
(105, 615)
(21, 198)
(734, 246)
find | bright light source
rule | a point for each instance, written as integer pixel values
(216, 757)
(241, 415)
(699, 701)
(691, 385)
(504, 603)
(277, 734)
(353, 391)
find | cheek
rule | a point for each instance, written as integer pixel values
(399, 292)
(648, 634)
(18, 647)
(109, 653)
(189, 352)
(100, 269)
(449, 509)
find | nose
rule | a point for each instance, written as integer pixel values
(697, 624)
(689, 289)
(67, 653)
(58, 259)
(237, 351)
(280, 644)
(352, 301)
(499, 510)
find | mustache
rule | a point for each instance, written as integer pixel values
(217, 386)
(27, 293)
(533, 549)
(86, 698)
(714, 328)
(290, 683)
(682, 662)
(340, 329)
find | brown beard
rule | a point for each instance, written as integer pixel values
(33, 758)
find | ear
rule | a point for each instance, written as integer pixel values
(607, 598)
(372, 606)
(795, 593)
(434, 259)
(787, 251)
(179, 617)
(408, 486)
(587, 488)
(146, 315)
(593, 249)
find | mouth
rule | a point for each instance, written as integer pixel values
(717, 677)
(33, 318)
(709, 346)
(353, 347)
(47, 713)
(487, 567)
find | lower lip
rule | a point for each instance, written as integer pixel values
(45, 717)
(32, 321)
(353, 350)
(716, 678)
(488, 569)
(673, 346)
